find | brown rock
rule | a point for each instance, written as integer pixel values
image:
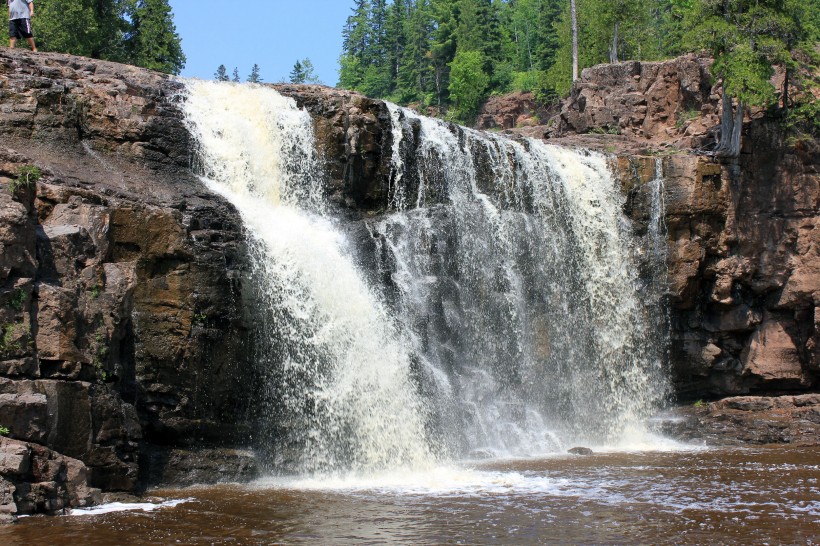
(25, 415)
(772, 356)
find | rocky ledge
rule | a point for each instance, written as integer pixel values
(123, 347)
(787, 419)
(126, 361)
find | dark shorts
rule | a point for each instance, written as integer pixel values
(20, 28)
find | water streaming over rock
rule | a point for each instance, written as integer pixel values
(516, 278)
(339, 388)
(516, 322)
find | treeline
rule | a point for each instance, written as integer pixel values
(452, 54)
(137, 32)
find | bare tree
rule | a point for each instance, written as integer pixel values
(574, 14)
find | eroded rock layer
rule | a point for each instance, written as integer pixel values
(125, 358)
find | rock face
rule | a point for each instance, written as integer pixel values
(751, 420)
(744, 269)
(670, 102)
(125, 359)
(515, 110)
(122, 333)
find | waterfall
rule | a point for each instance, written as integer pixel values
(515, 277)
(340, 394)
(511, 319)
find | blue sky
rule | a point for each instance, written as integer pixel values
(271, 33)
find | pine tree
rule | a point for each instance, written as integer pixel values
(354, 60)
(297, 75)
(154, 42)
(221, 74)
(747, 38)
(235, 75)
(255, 74)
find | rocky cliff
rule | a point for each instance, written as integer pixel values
(123, 342)
(125, 359)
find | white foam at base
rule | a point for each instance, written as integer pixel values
(127, 507)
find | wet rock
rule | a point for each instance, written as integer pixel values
(188, 467)
(580, 451)
(119, 274)
(25, 415)
(750, 420)
(35, 479)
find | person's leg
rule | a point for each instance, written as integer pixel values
(31, 43)
(12, 42)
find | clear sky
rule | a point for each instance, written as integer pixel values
(270, 33)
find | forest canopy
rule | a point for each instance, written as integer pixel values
(453, 54)
(137, 32)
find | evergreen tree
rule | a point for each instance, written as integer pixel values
(479, 30)
(303, 72)
(355, 55)
(747, 38)
(69, 27)
(154, 41)
(468, 82)
(235, 75)
(255, 76)
(221, 74)
(297, 75)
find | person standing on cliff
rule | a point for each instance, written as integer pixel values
(20, 14)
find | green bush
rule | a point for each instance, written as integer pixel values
(27, 176)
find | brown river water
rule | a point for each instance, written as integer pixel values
(767, 495)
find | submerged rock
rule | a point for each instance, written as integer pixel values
(580, 451)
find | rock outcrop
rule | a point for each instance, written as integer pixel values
(744, 269)
(741, 420)
(123, 336)
(125, 359)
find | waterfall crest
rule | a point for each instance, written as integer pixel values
(512, 320)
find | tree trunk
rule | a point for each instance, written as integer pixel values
(731, 123)
(574, 15)
(736, 128)
(613, 53)
(786, 90)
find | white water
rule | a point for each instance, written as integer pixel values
(344, 397)
(515, 273)
(516, 327)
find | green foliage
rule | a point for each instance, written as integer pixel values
(303, 72)
(468, 82)
(138, 32)
(686, 116)
(526, 81)
(8, 341)
(221, 74)
(17, 299)
(699, 404)
(100, 354)
(154, 40)
(405, 50)
(255, 75)
(4, 431)
(27, 176)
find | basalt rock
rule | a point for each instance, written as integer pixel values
(750, 420)
(743, 263)
(123, 343)
(119, 277)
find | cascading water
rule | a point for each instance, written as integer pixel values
(515, 277)
(515, 326)
(340, 394)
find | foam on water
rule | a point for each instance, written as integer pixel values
(127, 507)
